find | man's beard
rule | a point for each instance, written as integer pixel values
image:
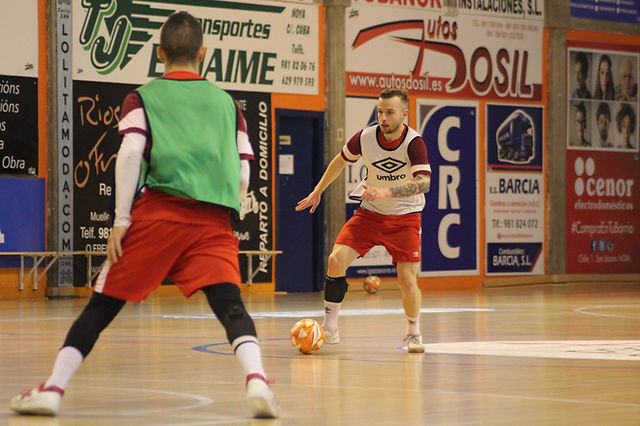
(390, 130)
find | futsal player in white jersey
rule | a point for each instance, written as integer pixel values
(398, 175)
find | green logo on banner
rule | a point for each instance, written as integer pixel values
(114, 31)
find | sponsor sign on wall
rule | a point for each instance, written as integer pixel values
(603, 167)
(433, 54)
(603, 212)
(65, 117)
(251, 46)
(480, 52)
(450, 217)
(602, 91)
(96, 112)
(607, 10)
(252, 49)
(19, 34)
(255, 229)
(18, 125)
(514, 192)
(19, 90)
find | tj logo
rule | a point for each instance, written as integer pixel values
(106, 55)
(113, 17)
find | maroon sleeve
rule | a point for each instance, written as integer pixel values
(244, 146)
(241, 123)
(353, 146)
(418, 157)
(131, 102)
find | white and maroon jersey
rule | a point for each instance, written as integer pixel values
(390, 164)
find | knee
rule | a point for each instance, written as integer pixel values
(334, 263)
(408, 284)
(229, 311)
(227, 305)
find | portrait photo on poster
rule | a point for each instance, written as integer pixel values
(602, 100)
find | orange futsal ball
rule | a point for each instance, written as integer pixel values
(372, 284)
(307, 335)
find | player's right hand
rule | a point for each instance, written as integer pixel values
(114, 243)
(312, 200)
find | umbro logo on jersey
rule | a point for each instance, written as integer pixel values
(389, 165)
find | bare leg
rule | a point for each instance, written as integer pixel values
(411, 302)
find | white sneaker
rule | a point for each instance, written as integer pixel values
(331, 338)
(260, 397)
(40, 400)
(413, 343)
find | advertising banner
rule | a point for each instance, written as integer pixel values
(251, 46)
(18, 128)
(19, 90)
(253, 49)
(96, 112)
(19, 34)
(450, 218)
(487, 55)
(607, 10)
(603, 212)
(603, 167)
(255, 229)
(514, 200)
(603, 97)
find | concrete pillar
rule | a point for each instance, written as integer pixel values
(334, 209)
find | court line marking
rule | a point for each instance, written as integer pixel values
(404, 389)
(320, 313)
(584, 311)
(274, 314)
(612, 350)
(170, 412)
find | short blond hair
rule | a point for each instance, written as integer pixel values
(400, 93)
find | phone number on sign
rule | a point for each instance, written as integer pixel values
(288, 80)
(514, 223)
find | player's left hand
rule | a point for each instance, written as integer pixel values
(372, 193)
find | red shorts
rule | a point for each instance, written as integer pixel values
(192, 255)
(399, 234)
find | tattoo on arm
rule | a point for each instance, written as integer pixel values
(418, 185)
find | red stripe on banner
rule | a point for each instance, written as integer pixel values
(372, 32)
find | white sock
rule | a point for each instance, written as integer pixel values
(331, 313)
(67, 362)
(247, 350)
(413, 326)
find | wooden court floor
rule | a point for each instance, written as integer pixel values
(537, 355)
